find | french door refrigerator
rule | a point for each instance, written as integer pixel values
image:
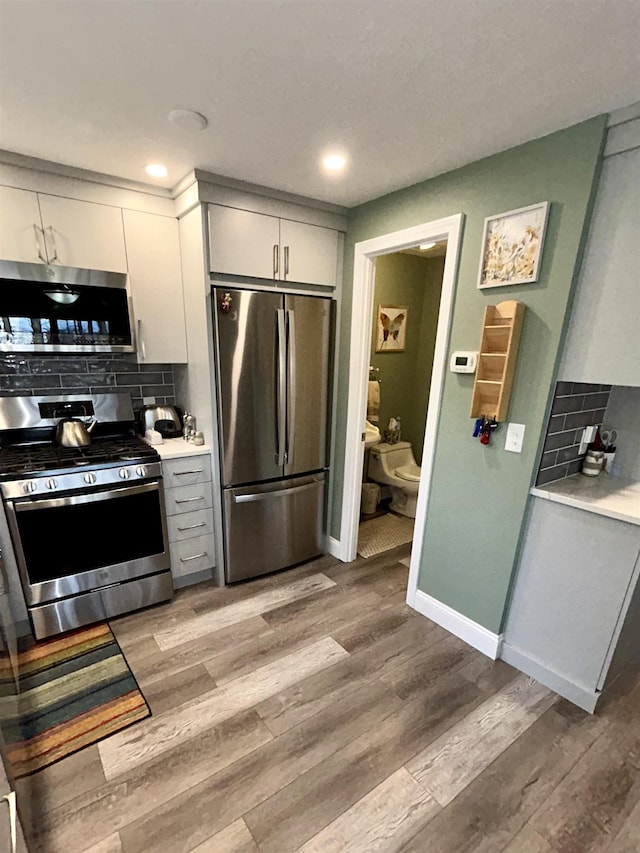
(272, 359)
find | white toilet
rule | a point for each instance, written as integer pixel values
(395, 466)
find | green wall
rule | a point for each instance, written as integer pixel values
(479, 494)
(405, 377)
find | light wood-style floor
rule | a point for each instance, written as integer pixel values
(314, 711)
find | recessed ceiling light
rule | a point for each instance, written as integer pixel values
(188, 120)
(334, 162)
(156, 170)
(425, 246)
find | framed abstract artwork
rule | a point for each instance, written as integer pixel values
(391, 328)
(512, 246)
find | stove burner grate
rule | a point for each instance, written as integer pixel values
(23, 460)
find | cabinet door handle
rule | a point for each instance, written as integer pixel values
(195, 557)
(276, 261)
(37, 232)
(189, 500)
(192, 526)
(184, 473)
(143, 350)
(286, 261)
(53, 243)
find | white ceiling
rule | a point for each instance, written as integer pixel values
(410, 88)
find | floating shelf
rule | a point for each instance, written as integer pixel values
(501, 332)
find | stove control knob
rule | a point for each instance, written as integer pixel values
(90, 478)
(141, 471)
(52, 484)
(29, 487)
(124, 473)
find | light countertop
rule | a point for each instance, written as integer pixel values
(175, 448)
(615, 497)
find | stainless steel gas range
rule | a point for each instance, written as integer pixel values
(87, 524)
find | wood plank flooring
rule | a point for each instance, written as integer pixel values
(314, 712)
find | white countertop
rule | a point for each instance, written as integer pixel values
(615, 497)
(174, 448)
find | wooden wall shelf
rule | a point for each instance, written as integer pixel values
(501, 331)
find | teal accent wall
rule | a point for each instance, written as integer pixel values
(416, 282)
(479, 494)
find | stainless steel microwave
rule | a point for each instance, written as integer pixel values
(45, 308)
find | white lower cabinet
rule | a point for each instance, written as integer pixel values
(573, 593)
(189, 517)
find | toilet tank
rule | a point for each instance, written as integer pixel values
(385, 457)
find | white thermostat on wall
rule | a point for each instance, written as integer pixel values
(463, 362)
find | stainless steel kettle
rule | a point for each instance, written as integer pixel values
(72, 432)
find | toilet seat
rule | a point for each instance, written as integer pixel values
(409, 472)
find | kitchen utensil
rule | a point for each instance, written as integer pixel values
(165, 419)
(73, 432)
(189, 426)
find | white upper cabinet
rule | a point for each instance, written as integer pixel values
(602, 340)
(309, 253)
(243, 243)
(21, 236)
(153, 250)
(83, 234)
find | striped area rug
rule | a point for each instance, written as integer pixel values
(73, 690)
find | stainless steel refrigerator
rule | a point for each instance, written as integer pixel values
(272, 360)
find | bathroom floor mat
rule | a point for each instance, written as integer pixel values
(383, 533)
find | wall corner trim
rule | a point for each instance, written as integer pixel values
(471, 632)
(334, 546)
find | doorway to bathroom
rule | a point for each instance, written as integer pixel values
(406, 303)
(366, 255)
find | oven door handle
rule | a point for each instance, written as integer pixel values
(86, 497)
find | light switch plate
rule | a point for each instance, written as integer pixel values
(515, 437)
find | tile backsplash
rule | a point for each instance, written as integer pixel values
(575, 406)
(34, 374)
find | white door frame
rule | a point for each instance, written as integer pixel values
(366, 252)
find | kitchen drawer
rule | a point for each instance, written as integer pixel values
(186, 471)
(187, 525)
(188, 498)
(192, 556)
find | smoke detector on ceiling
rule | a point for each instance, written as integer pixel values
(188, 120)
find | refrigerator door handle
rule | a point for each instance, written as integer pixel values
(291, 385)
(281, 388)
(281, 493)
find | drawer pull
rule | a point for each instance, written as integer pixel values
(189, 500)
(192, 526)
(184, 473)
(195, 557)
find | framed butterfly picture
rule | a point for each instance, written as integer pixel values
(391, 328)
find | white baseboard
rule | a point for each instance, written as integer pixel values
(334, 546)
(580, 696)
(471, 632)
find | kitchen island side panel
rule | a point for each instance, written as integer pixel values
(572, 582)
